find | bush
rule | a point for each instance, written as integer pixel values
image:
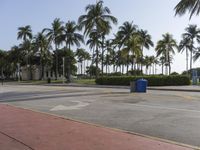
(152, 80)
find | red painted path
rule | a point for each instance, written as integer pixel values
(22, 129)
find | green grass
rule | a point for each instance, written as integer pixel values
(85, 81)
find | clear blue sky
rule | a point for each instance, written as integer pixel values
(156, 16)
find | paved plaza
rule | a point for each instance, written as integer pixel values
(161, 115)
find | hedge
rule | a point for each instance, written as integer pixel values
(152, 80)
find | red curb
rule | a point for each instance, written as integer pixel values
(45, 132)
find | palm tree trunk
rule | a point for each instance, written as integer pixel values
(68, 64)
(142, 58)
(81, 68)
(56, 52)
(127, 65)
(97, 62)
(187, 61)
(191, 60)
(102, 55)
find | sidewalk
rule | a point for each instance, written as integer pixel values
(22, 129)
(188, 88)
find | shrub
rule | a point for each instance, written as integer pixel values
(152, 80)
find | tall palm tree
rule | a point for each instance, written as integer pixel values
(53, 34)
(97, 18)
(125, 33)
(192, 34)
(24, 33)
(94, 44)
(192, 6)
(146, 41)
(166, 47)
(71, 37)
(185, 45)
(42, 46)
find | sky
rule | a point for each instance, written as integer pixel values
(156, 16)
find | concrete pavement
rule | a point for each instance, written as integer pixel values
(22, 129)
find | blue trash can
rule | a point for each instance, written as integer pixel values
(141, 86)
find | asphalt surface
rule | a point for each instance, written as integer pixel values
(168, 115)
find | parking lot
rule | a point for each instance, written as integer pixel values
(169, 115)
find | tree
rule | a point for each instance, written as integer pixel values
(185, 45)
(125, 33)
(25, 33)
(71, 37)
(166, 47)
(53, 34)
(97, 18)
(81, 55)
(192, 6)
(42, 46)
(192, 34)
(146, 41)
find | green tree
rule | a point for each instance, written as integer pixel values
(42, 46)
(192, 6)
(166, 47)
(185, 45)
(97, 18)
(71, 37)
(24, 33)
(53, 34)
(192, 34)
(146, 41)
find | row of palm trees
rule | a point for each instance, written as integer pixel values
(52, 45)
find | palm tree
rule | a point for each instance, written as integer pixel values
(166, 47)
(192, 6)
(97, 18)
(162, 63)
(94, 44)
(24, 33)
(71, 37)
(27, 49)
(80, 53)
(125, 32)
(146, 41)
(42, 46)
(192, 33)
(185, 45)
(53, 35)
